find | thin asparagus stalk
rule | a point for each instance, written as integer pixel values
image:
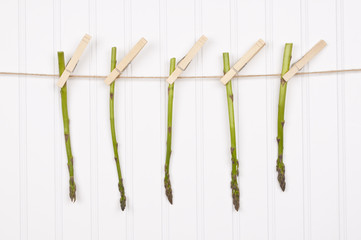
(281, 115)
(234, 174)
(114, 137)
(167, 184)
(64, 108)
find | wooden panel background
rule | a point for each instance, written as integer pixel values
(323, 122)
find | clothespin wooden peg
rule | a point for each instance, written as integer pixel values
(304, 60)
(184, 62)
(125, 61)
(74, 60)
(243, 61)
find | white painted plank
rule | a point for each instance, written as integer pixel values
(77, 216)
(286, 16)
(9, 127)
(111, 218)
(40, 121)
(251, 96)
(216, 140)
(181, 37)
(323, 125)
(147, 162)
(352, 119)
(272, 90)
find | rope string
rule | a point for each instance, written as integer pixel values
(165, 77)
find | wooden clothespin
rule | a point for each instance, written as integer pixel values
(125, 61)
(243, 61)
(74, 60)
(184, 62)
(304, 60)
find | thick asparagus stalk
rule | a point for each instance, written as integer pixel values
(167, 184)
(64, 108)
(114, 137)
(281, 115)
(234, 173)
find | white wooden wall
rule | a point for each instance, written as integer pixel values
(322, 134)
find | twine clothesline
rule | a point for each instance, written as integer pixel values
(165, 77)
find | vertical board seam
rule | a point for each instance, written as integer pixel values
(270, 135)
(234, 52)
(237, 116)
(57, 136)
(305, 127)
(341, 121)
(94, 206)
(125, 121)
(22, 121)
(199, 125)
(125, 171)
(129, 125)
(162, 86)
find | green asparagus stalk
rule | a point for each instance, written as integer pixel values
(114, 137)
(234, 173)
(64, 108)
(167, 184)
(281, 115)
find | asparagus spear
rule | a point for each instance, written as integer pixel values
(167, 184)
(64, 108)
(234, 173)
(281, 115)
(114, 137)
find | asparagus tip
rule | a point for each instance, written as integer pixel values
(122, 202)
(123, 198)
(281, 173)
(235, 196)
(170, 197)
(236, 205)
(234, 185)
(168, 189)
(72, 189)
(282, 182)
